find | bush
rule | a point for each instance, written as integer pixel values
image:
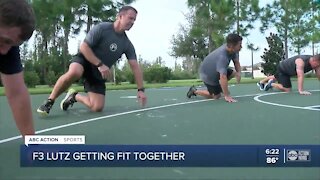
(120, 77)
(129, 76)
(183, 75)
(157, 74)
(31, 78)
(51, 78)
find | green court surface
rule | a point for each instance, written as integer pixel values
(170, 118)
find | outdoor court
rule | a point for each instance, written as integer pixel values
(170, 118)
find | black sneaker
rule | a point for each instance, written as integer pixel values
(260, 85)
(44, 109)
(69, 99)
(191, 91)
(269, 85)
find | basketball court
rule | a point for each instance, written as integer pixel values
(170, 118)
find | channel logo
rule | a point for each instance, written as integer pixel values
(298, 155)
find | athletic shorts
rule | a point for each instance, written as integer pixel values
(10, 63)
(283, 78)
(92, 80)
(216, 89)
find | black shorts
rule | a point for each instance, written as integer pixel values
(216, 89)
(95, 87)
(92, 80)
(10, 63)
(283, 78)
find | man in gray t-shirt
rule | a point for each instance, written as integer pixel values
(103, 46)
(215, 71)
(294, 66)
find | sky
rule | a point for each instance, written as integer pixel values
(158, 21)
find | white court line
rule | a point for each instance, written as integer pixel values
(112, 115)
(256, 98)
(128, 97)
(315, 106)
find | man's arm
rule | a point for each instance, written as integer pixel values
(318, 73)
(224, 84)
(300, 75)
(93, 59)
(139, 80)
(237, 67)
(224, 87)
(19, 101)
(88, 54)
(222, 69)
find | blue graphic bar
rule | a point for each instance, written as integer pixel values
(170, 156)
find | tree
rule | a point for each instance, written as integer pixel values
(94, 11)
(159, 61)
(57, 20)
(273, 55)
(248, 12)
(251, 47)
(289, 17)
(44, 33)
(67, 13)
(189, 43)
(213, 19)
(209, 21)
(314, 25)
(299, 29)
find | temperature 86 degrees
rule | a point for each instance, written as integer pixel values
(272, 160)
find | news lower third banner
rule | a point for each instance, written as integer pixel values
(73, 152)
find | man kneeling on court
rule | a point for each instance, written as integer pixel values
(103, 46)
(294, 66)
(215, 71)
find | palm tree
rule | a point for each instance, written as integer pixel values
(251, 47)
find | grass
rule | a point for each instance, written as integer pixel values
(45, 89)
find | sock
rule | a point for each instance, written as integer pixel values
(51, 101)
(74, 96)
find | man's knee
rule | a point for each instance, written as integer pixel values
(96, 108)
(75, 71)
(286, 89)
(73, 75)
(218, 96)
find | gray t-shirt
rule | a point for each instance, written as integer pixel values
(288, 66)
(216, 63)
(108, 45)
